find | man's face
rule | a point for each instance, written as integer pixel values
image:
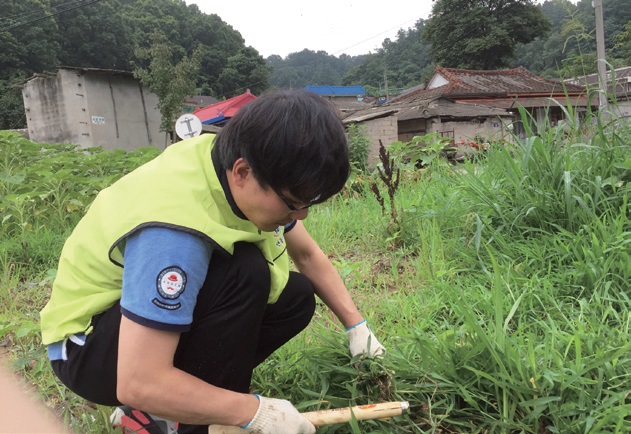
(264, 207)
(271, 210)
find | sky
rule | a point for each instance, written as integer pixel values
(281, 27)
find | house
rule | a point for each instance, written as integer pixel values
(347, 99)
(92, 107)
(193, 103)
(219, 113)
(618, 88)
(199, 101)
(465, 105)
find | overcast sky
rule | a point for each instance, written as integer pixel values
(336, 26)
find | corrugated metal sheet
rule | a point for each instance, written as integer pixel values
(618, 81)
(223, 110)
(337, 90)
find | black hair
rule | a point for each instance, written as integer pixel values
(294, 142)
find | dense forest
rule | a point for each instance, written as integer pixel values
(553, 39)
(567, 48)
(40, 35)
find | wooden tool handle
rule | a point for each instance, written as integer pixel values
(361, 412)
(336, 415)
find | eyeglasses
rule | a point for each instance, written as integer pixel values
(290, 204)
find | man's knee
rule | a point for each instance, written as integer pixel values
(303, 288)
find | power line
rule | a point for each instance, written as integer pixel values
(47, 16)
(400, 26)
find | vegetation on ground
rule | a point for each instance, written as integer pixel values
(502, 299)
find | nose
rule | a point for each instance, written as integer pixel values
(299, 214)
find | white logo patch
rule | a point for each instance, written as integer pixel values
(171, 282)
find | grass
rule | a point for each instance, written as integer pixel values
(502, 301)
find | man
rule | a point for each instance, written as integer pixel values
(176, 283)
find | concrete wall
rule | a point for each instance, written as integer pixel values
(384, 129)
(92, 108)
(456, 130)
(622, 108)
(466, 130)
(46, 112)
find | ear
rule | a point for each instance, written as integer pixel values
(241, 172)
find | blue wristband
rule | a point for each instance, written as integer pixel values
(358, 324)
(248, 424)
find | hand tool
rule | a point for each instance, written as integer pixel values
(336, 415)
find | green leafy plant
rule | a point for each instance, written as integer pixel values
(358, 146)
(420, 152)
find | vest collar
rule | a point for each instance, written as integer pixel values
(223, 180)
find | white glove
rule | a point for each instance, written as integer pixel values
(363, 341)
(278, 416)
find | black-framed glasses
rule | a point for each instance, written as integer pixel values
(290, 204)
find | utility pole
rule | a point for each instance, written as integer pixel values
(385, 81)
(600, 53)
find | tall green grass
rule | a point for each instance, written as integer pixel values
(503, 302)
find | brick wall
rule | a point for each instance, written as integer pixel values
(383, 128)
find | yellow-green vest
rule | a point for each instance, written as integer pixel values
(178, 189)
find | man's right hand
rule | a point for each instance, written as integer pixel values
(278, 416)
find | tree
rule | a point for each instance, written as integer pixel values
(170, 81)
(29, 43)
(481, 34)
(95, 36)
(544, 55)
(406, 62)
(39, 35)
(623, 44)
(245, 70)
(308, 67)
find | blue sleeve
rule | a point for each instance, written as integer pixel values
(164, 271)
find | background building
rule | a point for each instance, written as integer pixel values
(92, 107)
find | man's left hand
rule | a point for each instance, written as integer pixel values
(363, 341)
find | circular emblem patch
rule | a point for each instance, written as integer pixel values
(171, 282)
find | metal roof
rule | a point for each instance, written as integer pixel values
(337, 90)
(618, 81)
(223, 110)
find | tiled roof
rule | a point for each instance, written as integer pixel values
(466, 83)
(423, 94)
(461, 93)
(510, 81)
